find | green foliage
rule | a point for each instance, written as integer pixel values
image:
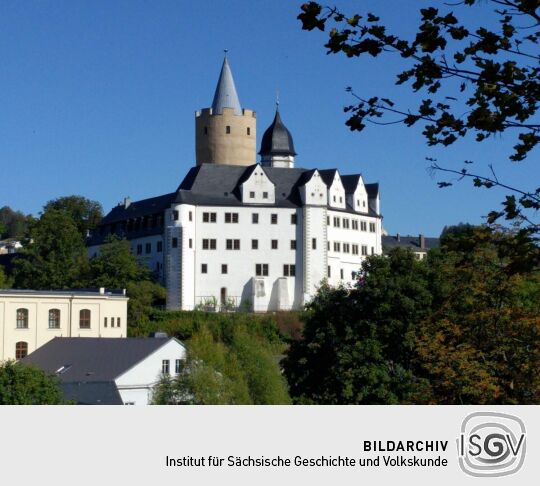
(26, 385)
(226, 365)
(5, 282)
(13, 224)
(472, 79)
(462, 327)
(358, 344)
(85, 213)
(56, 257)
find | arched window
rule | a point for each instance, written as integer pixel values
(54, 319)
(84, 319)
(22, 318)
(21, 349)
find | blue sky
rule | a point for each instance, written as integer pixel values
(98, 98)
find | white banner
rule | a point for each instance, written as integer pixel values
(269, 445)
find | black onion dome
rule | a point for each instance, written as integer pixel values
(277, 140)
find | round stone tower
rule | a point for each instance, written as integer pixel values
(225, 133)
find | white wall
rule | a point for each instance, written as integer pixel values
(135, 385)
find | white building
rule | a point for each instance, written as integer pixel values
(110, 371)
(240, 233)
(31, 318)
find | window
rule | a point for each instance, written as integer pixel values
(274, 244)
(334, 198)
(117, 322)
(261, 269)
(233, 244)
(84, 319)
(178, 362)
(104, 322)
(289, 270)
(372, 227)
(112, 321)
(54, 319)
(165, 366)
(328, 220)
(255, 218)
(364, 203)
(363, 225)
(337, 246)
(190, 243)
(228, 129)
(231, 217)
(265, 195)
(341, 274)
(252, 194)
(191, 216)
(22, 318)
(364, 250)
(209, 217)
(248, 131)
(346, 248)
(159, 248)
(336, 222)
(293, 244)
(373, 250)
(293, 218)
(329, 271)
(175, 242)
(206, 130)
(340, 199)
(204, 268)
(209, 244)
(354, 224)
(273, 218)
(355, 249)
(176, 215)
(254, 244)
(21, 350)
(224, 269)
(139, 249)
(346, 223)
(148, 248)
(313, 243)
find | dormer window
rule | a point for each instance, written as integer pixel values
(252, 195)
(265, 195)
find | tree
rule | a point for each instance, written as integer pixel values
(494, 70)
(85, 213)
(22, 384)
(56, 257)
(358, 344)
(225, 366)
(115, 267)
(13, 224)
(5, 282)
(461, 327)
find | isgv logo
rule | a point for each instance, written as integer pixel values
(491, 444)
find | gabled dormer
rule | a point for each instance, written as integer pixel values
(336, 191)
(355, 190)
(313, 190)
(256, 187)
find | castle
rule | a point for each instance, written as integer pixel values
(238, 233)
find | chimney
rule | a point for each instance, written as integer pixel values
(422, 241)
(127, 202)
(398, 237)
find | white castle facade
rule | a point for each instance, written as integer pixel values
(241, 234)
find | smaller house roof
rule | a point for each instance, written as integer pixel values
(408, 241)
(92, 360)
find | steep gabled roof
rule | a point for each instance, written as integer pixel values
(328, 176)
(93, 360)
(225, 95)
(350, 182)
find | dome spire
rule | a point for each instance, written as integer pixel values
(225, 95)
(277, 147)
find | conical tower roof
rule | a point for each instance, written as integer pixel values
(277, 140)
(225, 95)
